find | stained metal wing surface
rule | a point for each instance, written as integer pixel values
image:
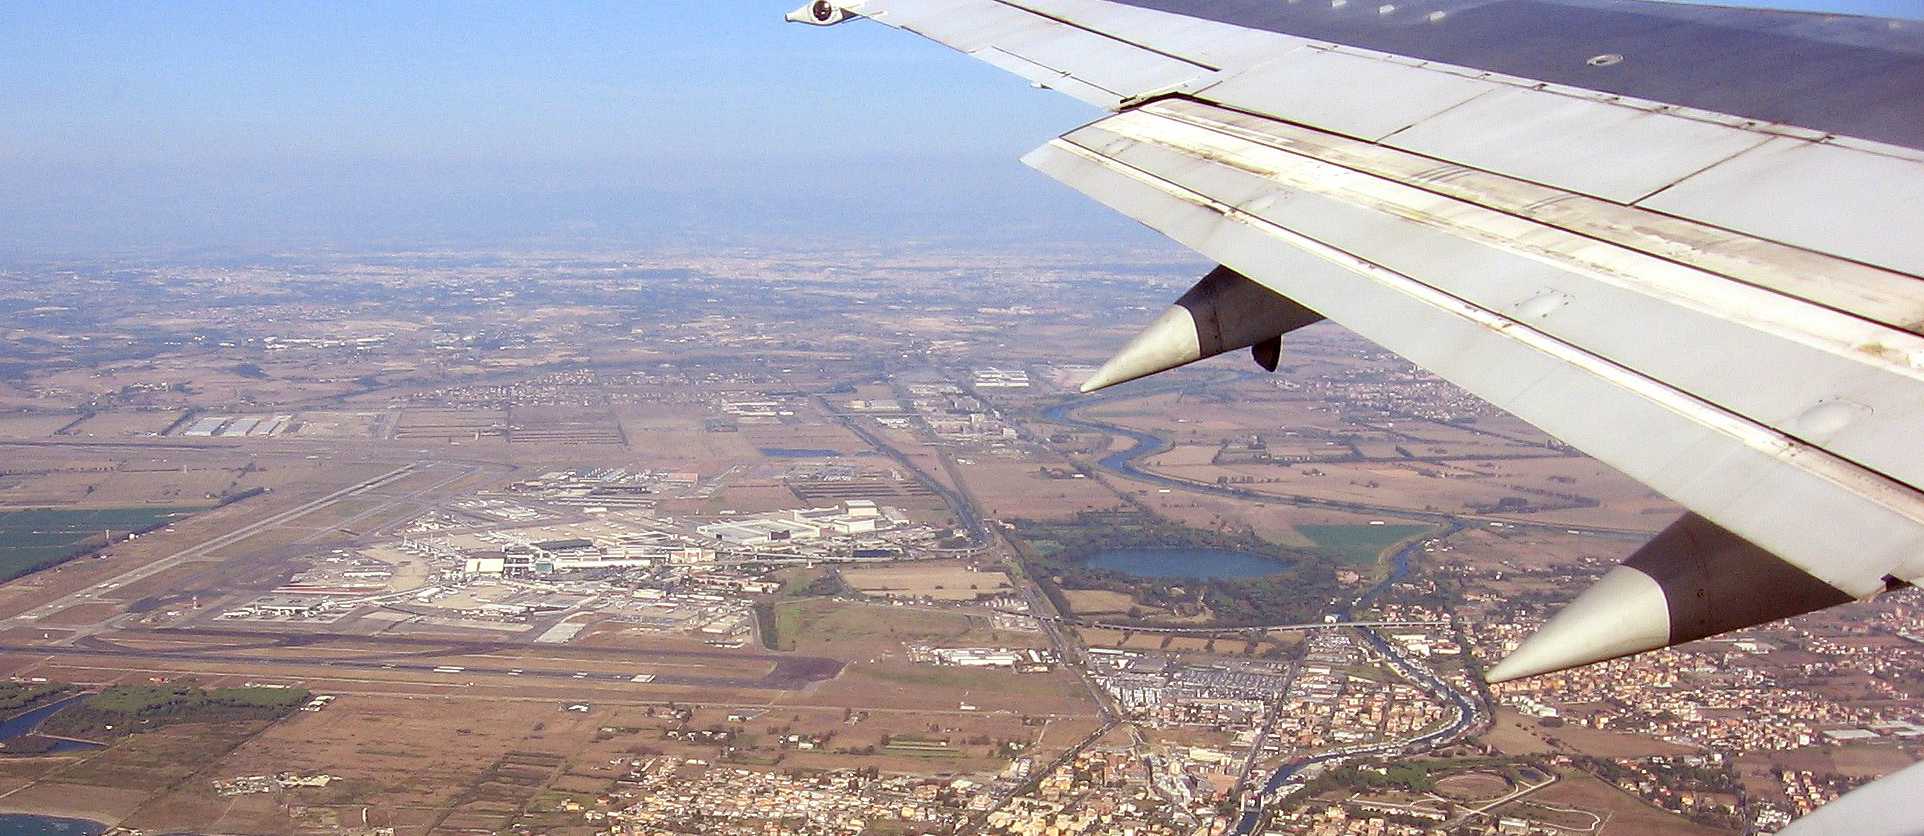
(1687, 240)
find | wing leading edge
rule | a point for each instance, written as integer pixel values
(1708, 302)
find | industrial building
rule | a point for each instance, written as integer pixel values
(856, 516)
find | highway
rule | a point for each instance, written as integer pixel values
(965, 514)
(1258, 628)
(963, 505)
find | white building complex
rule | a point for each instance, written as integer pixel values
(857, 516)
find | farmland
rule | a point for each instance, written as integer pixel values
(36, 538)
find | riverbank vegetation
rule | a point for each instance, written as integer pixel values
(16, 697)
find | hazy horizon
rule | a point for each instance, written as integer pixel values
(242, 127)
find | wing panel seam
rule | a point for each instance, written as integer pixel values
(1107, 35)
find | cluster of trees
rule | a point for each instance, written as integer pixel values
(227, 499)
(828, 585)
(1301, 593)
(1675, 776)
(128, 709)
(765, 619)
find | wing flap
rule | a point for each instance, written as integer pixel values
(1773, 360)
(1752, 478)
(1881, 296)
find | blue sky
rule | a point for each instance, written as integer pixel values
(204, 124)
(474, 82)
(260, 123)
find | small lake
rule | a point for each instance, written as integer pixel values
(1210, 564)
(19, 824)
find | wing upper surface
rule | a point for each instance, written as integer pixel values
(1839, 74)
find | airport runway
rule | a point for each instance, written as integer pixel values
(155, 567)
(439, 657)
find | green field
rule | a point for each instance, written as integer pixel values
(37, 538)
(781, 623)
(845, 628)
(127, 709)
(1359, 544)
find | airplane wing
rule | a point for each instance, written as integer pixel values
(1884, 807)
(1687, 240)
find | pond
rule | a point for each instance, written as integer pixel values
(1182, 562)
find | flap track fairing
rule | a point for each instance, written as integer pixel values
(1224, 312)
(1694, 580)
